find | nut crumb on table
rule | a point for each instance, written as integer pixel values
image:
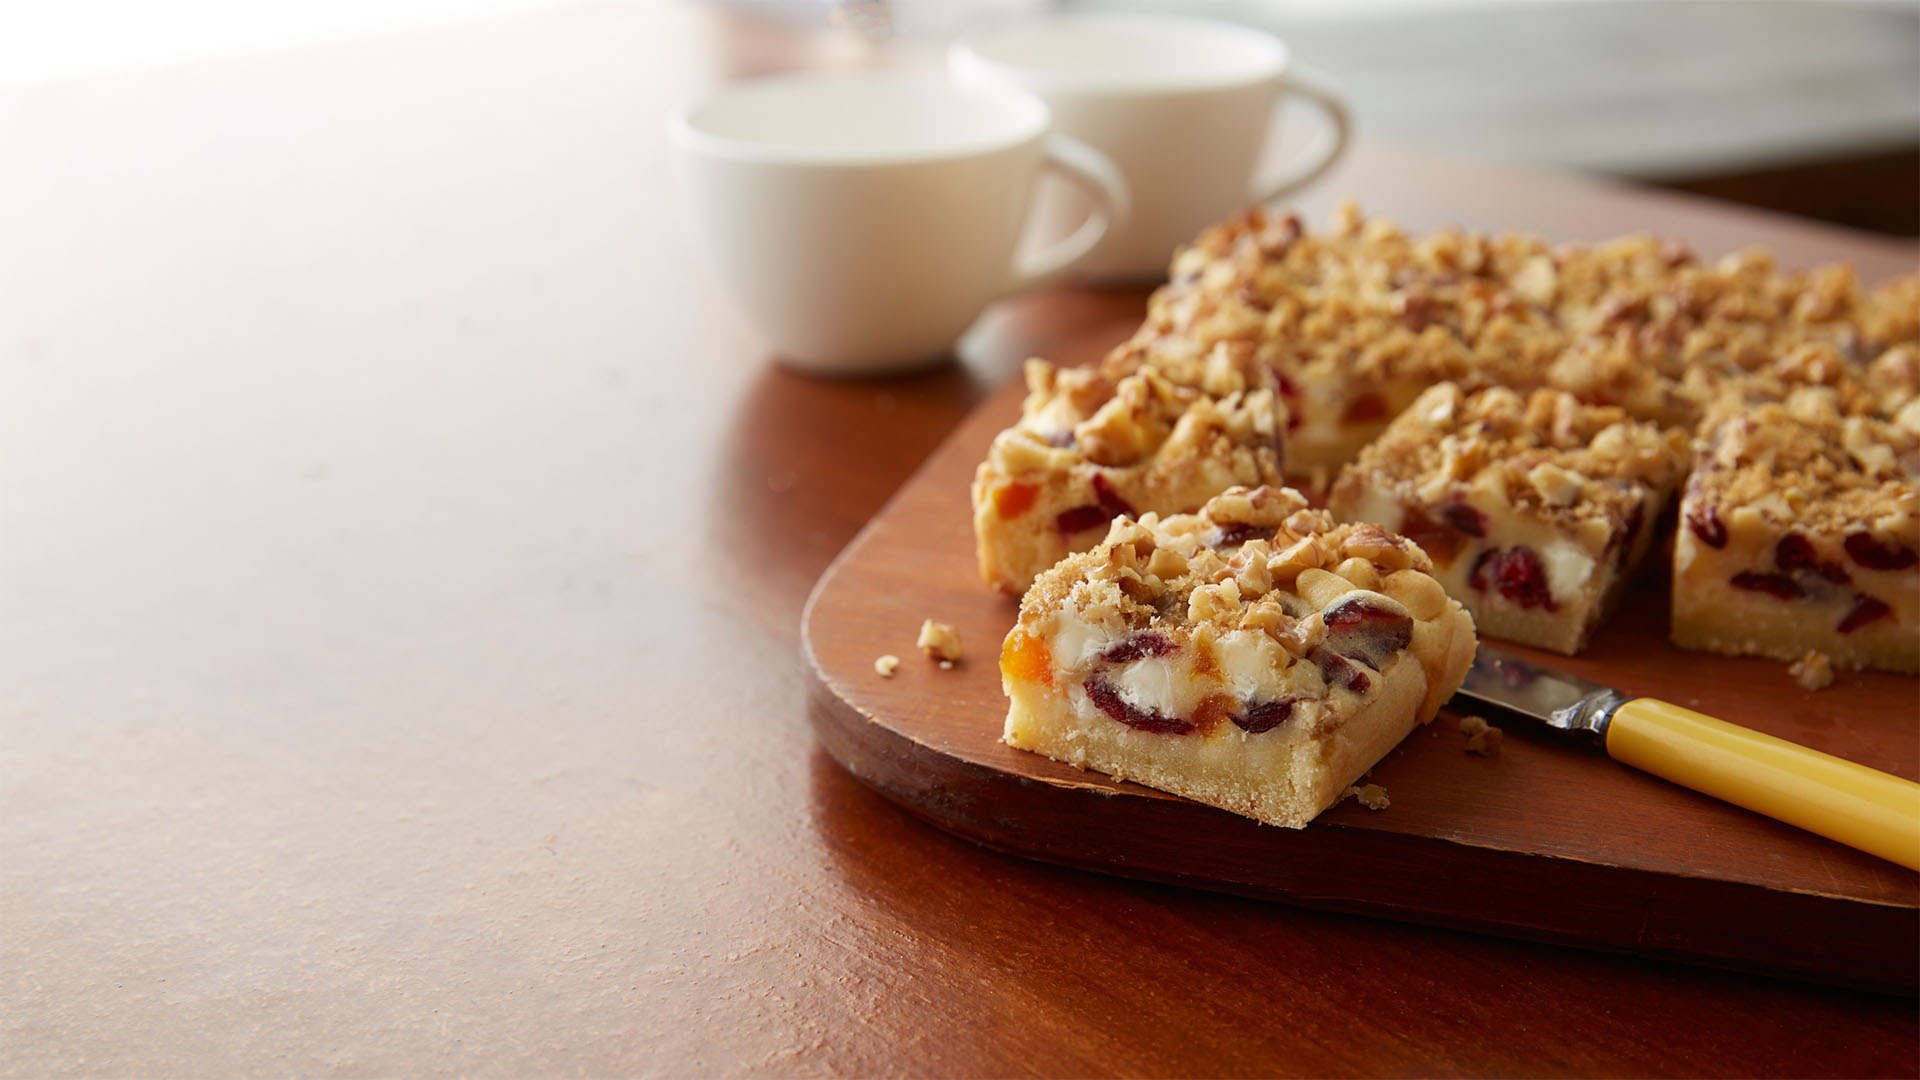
(1482, 738)
(884, 666)
(1371, 796)
(940, 642)
(1813, 671)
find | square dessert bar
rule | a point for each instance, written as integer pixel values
(1254, 656)
(1118, 440)
(1799, 530)
(1535, 509)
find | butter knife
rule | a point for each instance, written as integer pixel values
(1863, 808)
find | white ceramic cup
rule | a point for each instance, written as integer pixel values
(862, 221)
(1186, 107)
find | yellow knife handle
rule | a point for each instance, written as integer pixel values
(1860, 807)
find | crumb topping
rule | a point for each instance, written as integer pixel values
(1544, 453)
(1891, 313)
(1637, 322)
(1255, 559)
(1323, 605)
(1145, 420)
(1801, 464)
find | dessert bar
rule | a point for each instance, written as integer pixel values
(1254, 656)
(1799, 530)
(1535, 508)
(1096, 443)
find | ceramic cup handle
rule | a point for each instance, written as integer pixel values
(1326, 149)
(1105, 189)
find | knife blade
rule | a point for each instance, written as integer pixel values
(1865, 808)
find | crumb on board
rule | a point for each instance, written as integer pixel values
(1482, 738)
(940, 642)
(946, 665)
(1813, 671)
(1371, 796)
(883, 666)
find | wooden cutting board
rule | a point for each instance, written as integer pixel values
(1549, 840)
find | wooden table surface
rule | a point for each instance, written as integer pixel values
(401, 555)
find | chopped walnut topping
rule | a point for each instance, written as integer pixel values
(939, 641)
(1544, 454)
(1813, 671)
(1313, 590)
(1776, 466)
(1120, 439)
(1370, 309)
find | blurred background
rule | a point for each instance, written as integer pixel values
(1806, 106)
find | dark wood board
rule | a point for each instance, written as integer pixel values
(1549, 840)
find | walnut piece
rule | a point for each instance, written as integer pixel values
(884, 666)
(1371, 796)
(1813, 671)
(1482, 738)
(939, 641)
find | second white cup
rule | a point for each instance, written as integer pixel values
(862, 221)
(1185, 107)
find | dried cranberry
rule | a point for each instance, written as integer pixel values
(1236, 533)
(1138, 646)
(1339, 671)
(1287, 388)
(1080, 519)
(1865, 609)
(1466, 519)
(1874, 555)
(1359, 629)
(1779, 585)
(1521, 577)
(1481, 575)
(1110, 702)
(1707, 526)
(1110, 501)
(1795, 552)
(1264, 715)
(1364, 409)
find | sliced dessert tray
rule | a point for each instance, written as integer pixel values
(1546, 840)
